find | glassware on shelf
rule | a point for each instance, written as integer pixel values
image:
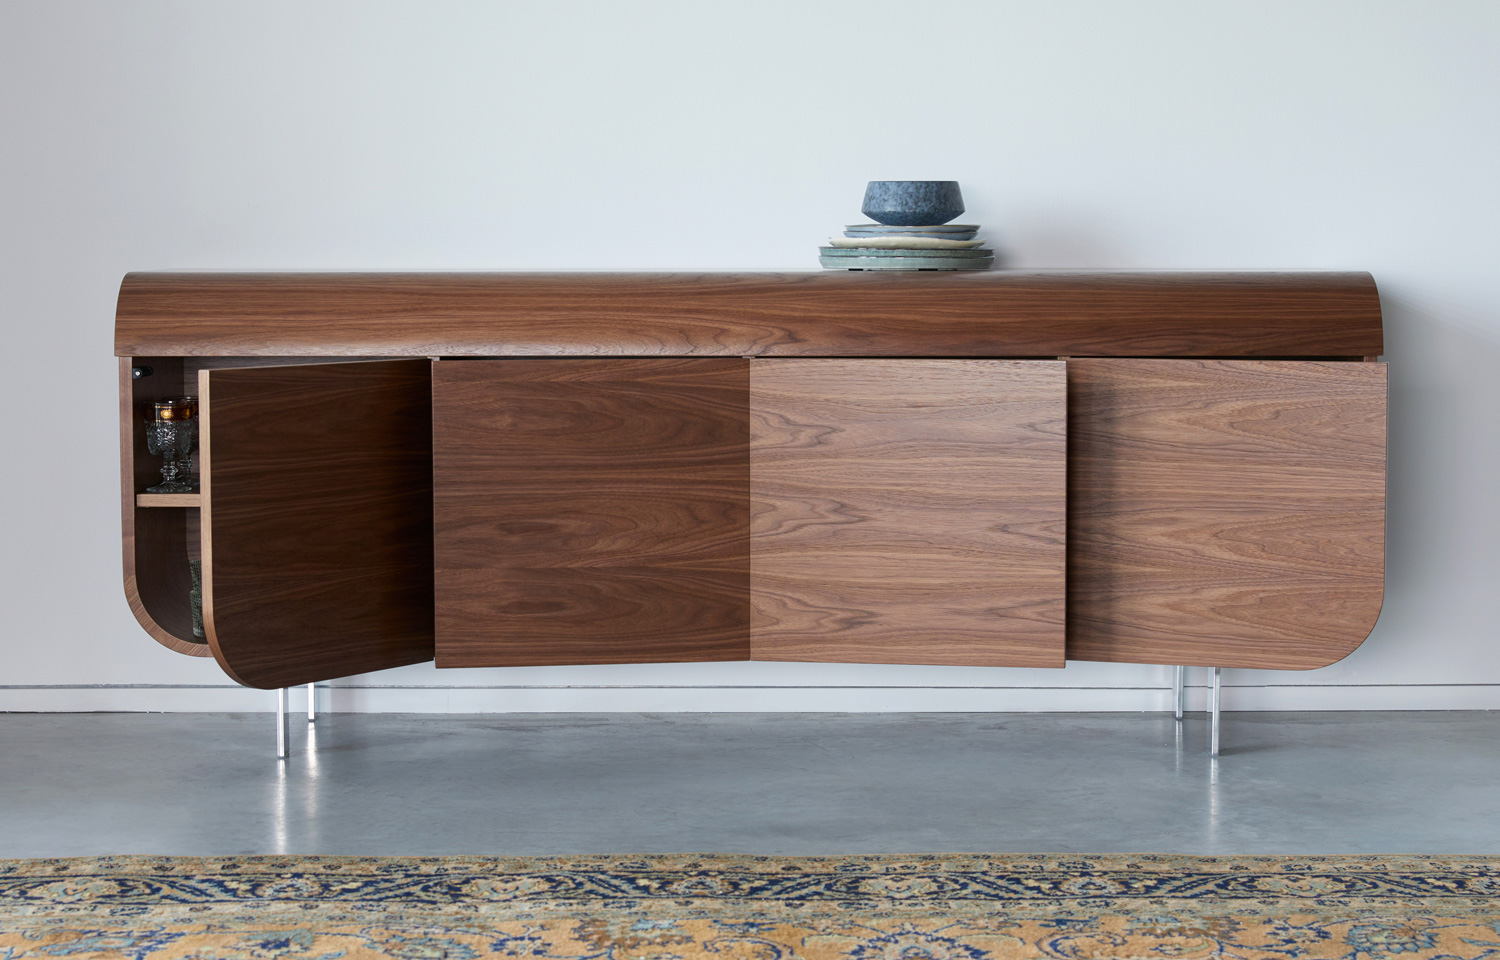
(172, 434)
(175, 408)
(195, 596)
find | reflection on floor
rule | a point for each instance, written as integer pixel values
(76, 784)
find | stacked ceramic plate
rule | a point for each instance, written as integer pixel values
(881, 246)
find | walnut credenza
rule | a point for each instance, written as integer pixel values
(990, 469)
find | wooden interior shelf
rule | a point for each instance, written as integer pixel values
(169, 499)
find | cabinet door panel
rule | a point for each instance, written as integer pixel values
(317, 519)
(1225, 513)
(908, 511)
(591, 511)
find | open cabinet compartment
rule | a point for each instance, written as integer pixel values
(161, 532)
(316, 485)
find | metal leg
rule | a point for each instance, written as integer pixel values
(1213, 733)
(312, 703)
(1177, 673)
(281, 724)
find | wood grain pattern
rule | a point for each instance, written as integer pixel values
(1224, 513)
(992, 314)
(591, 511)
(156, 543)
(908, 511)
(317, 519)
(168, 500)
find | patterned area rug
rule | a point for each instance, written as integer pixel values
(758, 908)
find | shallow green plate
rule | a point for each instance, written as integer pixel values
(908, 263)
(950, 253)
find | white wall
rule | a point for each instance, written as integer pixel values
(703, 136)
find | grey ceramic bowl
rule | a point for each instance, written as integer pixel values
(912, 203)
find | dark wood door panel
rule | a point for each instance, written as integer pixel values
(591, 511)
(1225, 513)
(908, 511)
(317, 519)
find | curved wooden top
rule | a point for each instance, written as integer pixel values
(995, 314)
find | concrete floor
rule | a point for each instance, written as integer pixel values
(81, 784)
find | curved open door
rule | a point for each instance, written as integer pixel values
(317, 519)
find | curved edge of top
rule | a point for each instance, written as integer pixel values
(832, 313)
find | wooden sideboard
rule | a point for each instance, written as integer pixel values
(990, 469)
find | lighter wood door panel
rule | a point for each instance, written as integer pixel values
(1225, 513)
(317, 519)
(591, 511)
(908, 511)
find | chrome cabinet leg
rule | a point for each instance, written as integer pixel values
(1213, 731)
(281, 724)
(312, 703)
(1177, 673)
